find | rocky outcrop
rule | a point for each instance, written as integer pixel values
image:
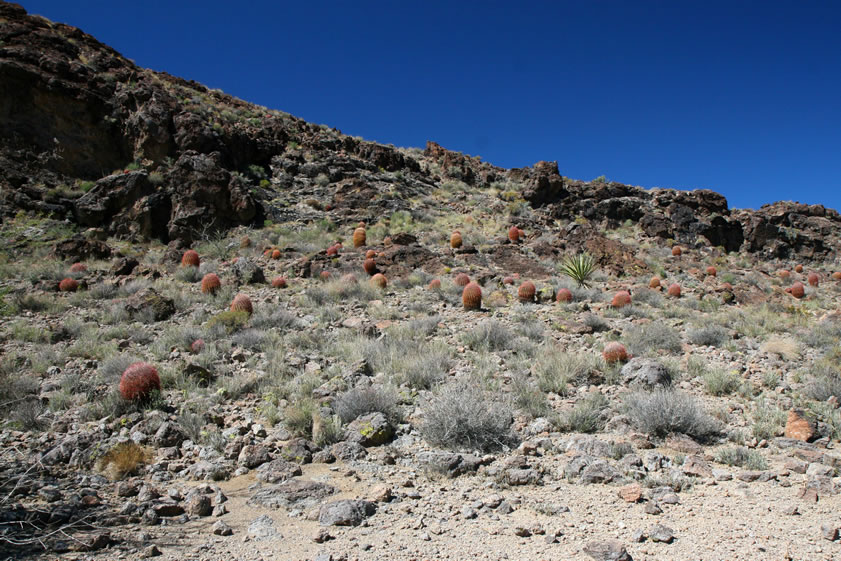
(87, 134)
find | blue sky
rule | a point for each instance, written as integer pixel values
(740, 97)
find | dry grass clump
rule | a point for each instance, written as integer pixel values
(661, 412)
(651, 337)
(741, 457)
(123, 460)
(708, 335)
(784, 347)
(490, 335)
(556, 370)
(719, 382)
(461, 415)
(363, 400)
(588, 415)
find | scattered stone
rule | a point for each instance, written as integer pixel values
(199, 505)
(608, 550)
(297, 492)
(262, 528)
(522, 532)
(372, 429)
(599, 471)
(829, 532)
(798, 426)
(147, 304)
(448, 463)
(220, 528)
(808, 495)
(253, 455)
(277, 471)
(631, 493)
(150, 551)
(660, 533)
(696, 466)
(645, 372)
(653, 509)
(322, 535)
(345, 512)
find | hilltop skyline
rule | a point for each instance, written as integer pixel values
(740, 100)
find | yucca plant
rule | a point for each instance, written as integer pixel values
(579, 268)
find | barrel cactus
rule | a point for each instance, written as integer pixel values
(210, 283)
(615, 352)
(434, 284)
(242, 303)
(674, 290)
(621, 299)
(279, 282)
(324, 276)
(462, 279)
(139, 381)
(526, 292)
(797, 290)
(813, 279)
(798, 268)
(370, 266)
(654, 283)
(677, 251)
(78, 268)
(68, 285)
(190, 259)
(370, 254)
(564, 295)
(359, 237)
(837, 275)
(712, 271)
(332, 251)
(379, 281)
(471, 296)
(514, 234)
(455, 240)
(275, 254)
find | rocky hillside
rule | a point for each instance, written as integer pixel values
(226, 333)
(86, 134)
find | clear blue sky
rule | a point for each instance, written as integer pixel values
(740, 97)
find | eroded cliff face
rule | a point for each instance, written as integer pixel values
(87, 134)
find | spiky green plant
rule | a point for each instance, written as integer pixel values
(579, 268)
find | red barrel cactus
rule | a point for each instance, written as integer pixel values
(370, 266)
(471, 296)
(837, 275)
(783, 274)
(615, 352)
(279, 282)
(813, 279)
(798, 268)
(190, 259)
(349, 278)
(78, 268)
(197, 346)
(508, 280)
(210, 283)
(359, 237)
(324, 275)
(797, 290)
(564, 295)
(654, 282)
(370, 254)
(514, 234)
(677, 251)
(462, 279)
(379, 281)
(68, 285)
(242, 303)
(435, 284)
(455, 240)
(674, 290)
(275, 254)
(621, 299)
(139, 381)
(332, 251)
(712, 271)
(526, 292)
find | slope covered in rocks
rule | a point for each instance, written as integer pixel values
(341, 419)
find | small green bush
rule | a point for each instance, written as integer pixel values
(741, 457)
(663, 411)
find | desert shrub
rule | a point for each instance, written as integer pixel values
(653, 298)
(709, 335)
(822, 334)
(225, 323)
(188, 273)
(823, 383)
(408, 359)
(587, 415)
(27, 414)
(784, 347)
(297, 418)
(555, 370)
(113, 367)
(464, 416)
(489, 336)
(529, 398)
(662, 411)
(594, 322)
(424, 325)
(123, 460)
(254, 339)
(363, 400)
(741, 457)
(718, 381)
(651, 337)
(268, 318)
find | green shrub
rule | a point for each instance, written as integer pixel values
(587, 416)
(663, 411)
(741, 457)
(650, 337)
